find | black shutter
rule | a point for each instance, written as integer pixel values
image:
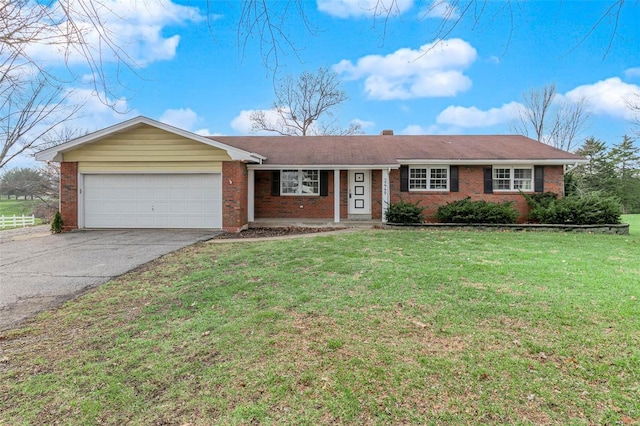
(453, 182)
(538, 182)
(404, 178)
(324, 183)
(488, 180)
(275, 183)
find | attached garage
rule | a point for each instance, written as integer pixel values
(146, 174)
(152, 200)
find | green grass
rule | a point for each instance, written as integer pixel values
(18, 208)
(373, 327)
(634, 223)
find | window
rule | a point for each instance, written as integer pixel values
(428, 178)
(512, 179)
(300, 182)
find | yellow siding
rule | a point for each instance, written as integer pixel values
(149, 148)
(149, 166)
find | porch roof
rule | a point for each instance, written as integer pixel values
(384, 150)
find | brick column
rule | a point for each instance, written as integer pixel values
(234, 196)
(69, 195)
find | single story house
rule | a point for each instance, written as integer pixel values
(145, 174)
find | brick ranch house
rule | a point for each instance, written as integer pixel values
(146, 174)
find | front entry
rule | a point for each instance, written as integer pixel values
(360, 194)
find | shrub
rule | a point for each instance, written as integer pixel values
(467, 211)
(404, 212)
(542, 199)
(57, 225)
(46, 211)
(588, 209)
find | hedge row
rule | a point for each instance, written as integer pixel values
(546, 208)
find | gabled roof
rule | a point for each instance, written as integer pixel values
(351, 151)
(54, 153)
(393, 150)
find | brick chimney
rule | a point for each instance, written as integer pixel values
(387, 132)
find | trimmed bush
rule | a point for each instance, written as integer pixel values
(467, 211)
(404, 212)
(57, 225)
(588, 209)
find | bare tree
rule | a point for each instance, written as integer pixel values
(33, 98)
(633, 103)
(556, 123)
(301, 102)
(30, 108)
(268, 21)
(76, 29)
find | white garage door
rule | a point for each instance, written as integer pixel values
(153, 201)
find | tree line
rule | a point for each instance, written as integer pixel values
(611, 171)
(30, 183)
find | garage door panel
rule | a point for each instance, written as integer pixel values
(153, 201)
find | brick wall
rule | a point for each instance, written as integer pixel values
(69, 195)
(376, 194)
(471, 184)
(234, 196)
(268, 206)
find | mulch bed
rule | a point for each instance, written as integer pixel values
(273, 232)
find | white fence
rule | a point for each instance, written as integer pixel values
(15, 221)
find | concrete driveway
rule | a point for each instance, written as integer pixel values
(39, 270)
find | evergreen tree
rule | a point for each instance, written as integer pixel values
(626, 159)
(599, 173)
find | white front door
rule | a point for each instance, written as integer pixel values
(360, 192)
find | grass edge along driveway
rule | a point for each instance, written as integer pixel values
(376, 327)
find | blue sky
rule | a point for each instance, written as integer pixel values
(194, 74)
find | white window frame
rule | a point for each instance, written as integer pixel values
(512, 179)
(299, 182)
(428, 179)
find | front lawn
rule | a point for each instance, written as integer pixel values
(370, 327)
(634, 223)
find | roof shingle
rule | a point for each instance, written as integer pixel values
(383, 150)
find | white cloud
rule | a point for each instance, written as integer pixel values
(93, 113)
(183, 118)
(363, 8)
(416, 129)
(364, 124)
(136, 26)
(206, 132)
(242, 122)
(433, 70)
(474, 117)
(441, 9)
(632, 72)
(605, 97)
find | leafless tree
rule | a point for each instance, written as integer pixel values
(301, 102)
(553, 122)
(633, 103)
(268, 21)
(30, 108)
(33, 97)
(75, 29)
